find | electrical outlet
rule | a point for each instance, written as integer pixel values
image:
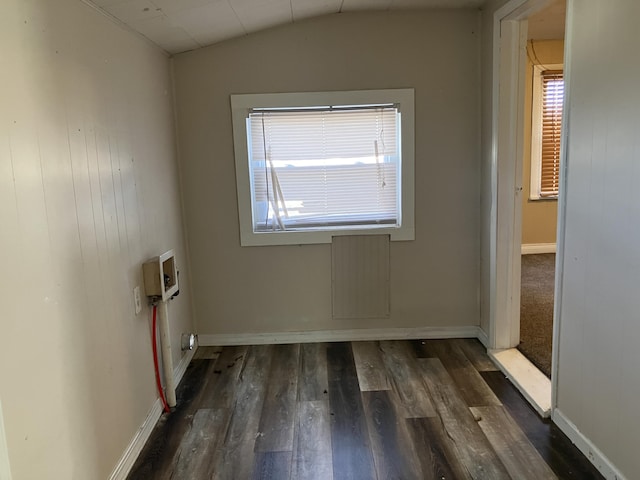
(136, 299)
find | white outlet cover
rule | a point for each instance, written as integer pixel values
(136, 299)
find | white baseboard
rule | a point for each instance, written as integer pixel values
(483, 337)
(524, 375)
(595, 456)
(354, 335)
(179, 371)
(138, 441)
(533, 248)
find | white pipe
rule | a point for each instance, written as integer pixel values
(167, 359)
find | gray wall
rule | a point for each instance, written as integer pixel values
(434, 279)
(88, 191)
(598, 376)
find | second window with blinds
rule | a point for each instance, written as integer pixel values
(546, 124)
(313, 165)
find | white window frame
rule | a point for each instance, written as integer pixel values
(536, 130)
(240, 107)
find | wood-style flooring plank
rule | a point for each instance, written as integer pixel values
(476, 353)
(195, 453)
(336, 434)
(553, 445)
(312, 382)
(271, 466)
(474, 390)
(370, 366)
(312, 458)
(406, 380)
(438, 454)
(277, 419)
(475, 451)
(352, 458)
(159, 452)
(207, 353)
(393, 451)
(220, 389)
(418, 349)
(235, 458)
(512, 446)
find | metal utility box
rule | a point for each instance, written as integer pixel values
(161, 276)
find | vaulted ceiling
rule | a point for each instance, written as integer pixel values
(180, 25)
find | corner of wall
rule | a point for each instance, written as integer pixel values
(130, 455)
(586, 446)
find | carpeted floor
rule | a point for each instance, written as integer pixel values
(536, 309)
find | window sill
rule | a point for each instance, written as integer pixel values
(542, 199)
(251, 239)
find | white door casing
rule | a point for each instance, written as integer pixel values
(509, 57)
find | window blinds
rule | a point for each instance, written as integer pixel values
(324, 166)
(552, 95)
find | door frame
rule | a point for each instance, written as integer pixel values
(507, 132)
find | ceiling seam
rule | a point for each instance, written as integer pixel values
(125, 26)
(244, 29)
(168, 19)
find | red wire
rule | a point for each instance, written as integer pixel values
(155, 363)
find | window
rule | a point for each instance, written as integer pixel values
(313, 165)
(548, 96)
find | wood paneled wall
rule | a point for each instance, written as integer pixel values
(598, 375)
(88, 191)
(360, 276)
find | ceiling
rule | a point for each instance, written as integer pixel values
(180, 25)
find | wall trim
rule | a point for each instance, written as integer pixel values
(595, 456)
(130, 455)
(122, 469)
(484, 338)
(211, 340)
(533, 248)
(181, 368)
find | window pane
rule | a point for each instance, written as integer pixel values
(311, 169)
(553, 97)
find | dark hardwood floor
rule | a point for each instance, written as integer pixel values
(434, 409)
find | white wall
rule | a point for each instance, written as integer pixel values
(88, 191)
(434, 279)
(598, 376)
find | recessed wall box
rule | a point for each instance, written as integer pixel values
(161, 276)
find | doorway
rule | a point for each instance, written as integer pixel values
(509, 66)
(542, 110)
